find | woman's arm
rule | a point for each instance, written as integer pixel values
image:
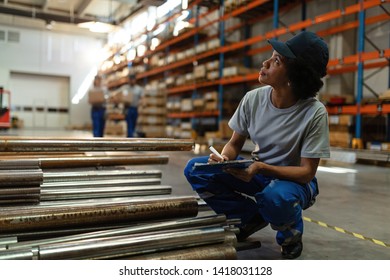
(232, 148)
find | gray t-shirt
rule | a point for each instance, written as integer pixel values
(136, 90)
(282, 136)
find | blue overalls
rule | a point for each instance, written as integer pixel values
(98, 120)
(279, 202)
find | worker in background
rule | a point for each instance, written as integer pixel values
(97, 96)
(132, 95)
(289, 128)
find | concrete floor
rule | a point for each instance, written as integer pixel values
(350, 220)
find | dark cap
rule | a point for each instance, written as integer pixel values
(306, 45)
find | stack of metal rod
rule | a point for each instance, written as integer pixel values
(84, 210)
(20, 182)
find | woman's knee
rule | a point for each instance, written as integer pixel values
(190, 164)
(277, 203)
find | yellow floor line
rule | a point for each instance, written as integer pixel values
(375, 241)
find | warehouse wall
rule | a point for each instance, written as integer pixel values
(44, 52)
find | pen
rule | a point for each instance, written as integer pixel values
(215, 152)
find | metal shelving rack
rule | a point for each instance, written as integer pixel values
(352, 63)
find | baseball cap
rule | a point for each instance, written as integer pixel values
(306, 45)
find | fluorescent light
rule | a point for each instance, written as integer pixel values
(97, 27)
(84, 87)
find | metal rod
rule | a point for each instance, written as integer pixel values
(20, 144)
(19, 192)
(138, 228)
(91, 161)
(102, 183)
(59, 216)
(209, 252)
(113, 247)
(96, 192)
(8, 240)
(21, 177)
(99, 175)
(19, 164)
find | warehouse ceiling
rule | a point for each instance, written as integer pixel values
(76, 11)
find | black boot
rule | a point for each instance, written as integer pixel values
(293, 250)
(255, 224)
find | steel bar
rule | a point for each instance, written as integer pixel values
(8, 240)
(215, 220)
(19, 192)
(91, 161)
(120, 246)
(20, 144)
(114, 247)
(21, 177)
(23, 254)
(99, 175)
(102, 183)
(209, 252)
(19, 164)
(18, 201)
(60, 216)
(97, 192)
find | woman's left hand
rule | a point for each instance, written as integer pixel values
(243, 174)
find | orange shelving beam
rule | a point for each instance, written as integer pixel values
(368, 109)
(182, 115)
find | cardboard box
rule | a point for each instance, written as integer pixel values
(96, 97)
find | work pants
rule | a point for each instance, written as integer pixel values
(131, 120)
(98, 121)
(279, 202)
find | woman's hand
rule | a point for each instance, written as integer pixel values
(244, 174)
(215, 159)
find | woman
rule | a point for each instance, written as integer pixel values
(289, 128)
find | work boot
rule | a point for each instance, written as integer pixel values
(293, 250)
(255, 224)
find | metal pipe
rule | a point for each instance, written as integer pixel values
(134, 229)
(17, 201)
(19, 164)
(119, 246)
(60, 216)
(21, 177)
(24, 254)
(20, 144)
(14, 192)
(91, 161)
(8, 240)
(102, 183)
(49, 177)
(96, 192)
(209, 252)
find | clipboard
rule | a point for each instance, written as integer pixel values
(219, 167)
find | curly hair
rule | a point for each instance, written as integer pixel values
(304, 76)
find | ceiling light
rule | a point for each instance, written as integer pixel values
(96, 26)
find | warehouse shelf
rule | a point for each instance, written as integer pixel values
(336, 66)
(271, 34)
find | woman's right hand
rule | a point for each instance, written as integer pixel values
(215, 159)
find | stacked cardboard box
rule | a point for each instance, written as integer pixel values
(152, 111)
(339, 130)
